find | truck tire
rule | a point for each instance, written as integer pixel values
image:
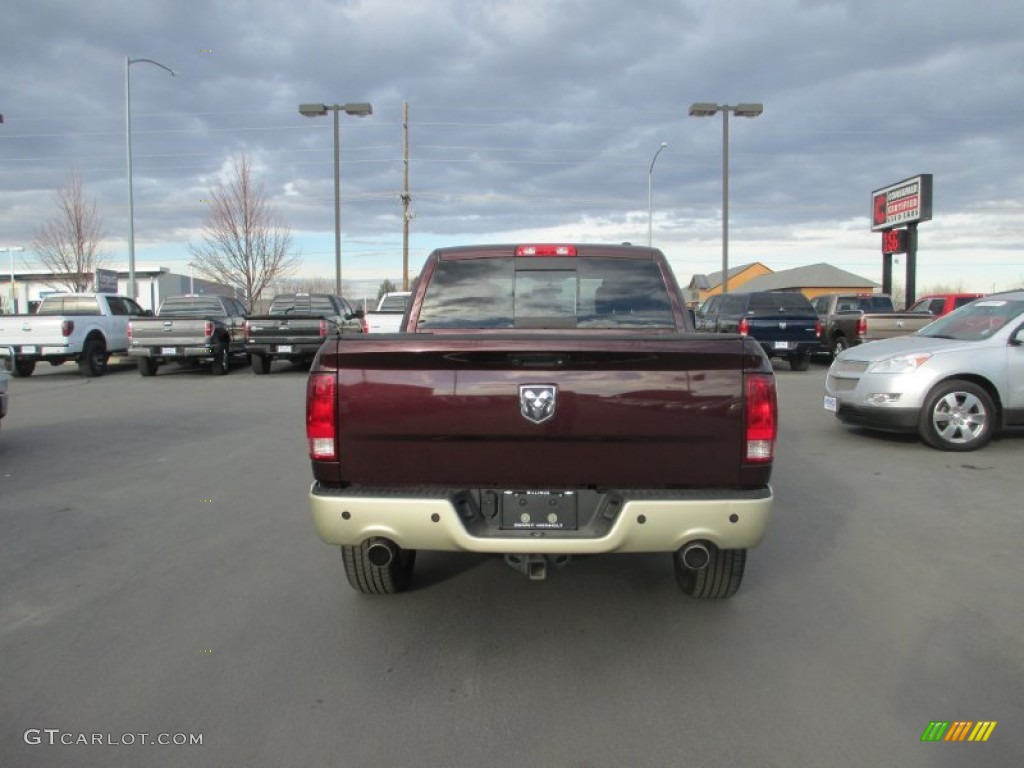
(93, 361)
(148, 366)
(719, 579)
(957, 416)
(800, 361)
(363, 576)
(221, 360)
(23, 368)
(261, 364)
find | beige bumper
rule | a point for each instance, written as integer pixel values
(642, 525)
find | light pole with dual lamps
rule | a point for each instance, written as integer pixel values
(650, 208)
(128, 143)
(12, 249)
(706, 109)
(359, 109)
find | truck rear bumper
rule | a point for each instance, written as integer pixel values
(643, 522)
(171, 351)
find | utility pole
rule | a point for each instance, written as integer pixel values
(406, 198)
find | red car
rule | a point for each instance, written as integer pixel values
(940, 304)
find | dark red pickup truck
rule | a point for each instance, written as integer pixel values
(543, 402)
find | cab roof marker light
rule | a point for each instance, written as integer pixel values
(545, 250)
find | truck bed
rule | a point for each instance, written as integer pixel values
(631, 412)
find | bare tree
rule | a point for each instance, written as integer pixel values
(245, 244)
(68, 244)
(386, 286)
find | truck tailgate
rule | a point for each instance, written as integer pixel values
(168, 331)
(16, 330)
(887, 325)
(463, 411)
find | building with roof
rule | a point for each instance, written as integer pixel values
(813, 280)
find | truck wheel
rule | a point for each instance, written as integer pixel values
(221, 360)
(839, 344)
(800, 362)
(720, 578)
(23, 368)
(148, 366)
(261, 364)
(93, 361)
(957, 416)
(370, 579)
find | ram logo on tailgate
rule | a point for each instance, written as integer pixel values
(537, 401)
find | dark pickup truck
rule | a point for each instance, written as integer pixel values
(782, 322)
(188, 330)
(296, 326)
(849, 319)
(545, 402)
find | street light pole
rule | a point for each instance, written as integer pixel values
(11, 249)
(359, 109)
(705, 109)
(128, 144)
(650, 208)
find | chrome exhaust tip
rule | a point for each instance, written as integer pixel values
(380, 552)
(695, 556)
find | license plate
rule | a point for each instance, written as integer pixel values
(781, 345)
(830, 404)
(168, 351)
(539, 510)
(31, 350)
(284, 347)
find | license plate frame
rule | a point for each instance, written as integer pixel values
(540, 510)
(285, 349)
(168, 350)
(780, 345)
(830, 404)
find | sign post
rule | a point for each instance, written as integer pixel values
(896, 211)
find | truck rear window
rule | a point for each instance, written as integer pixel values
(548, 293)
(69, 305)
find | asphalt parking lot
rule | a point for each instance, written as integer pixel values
(159, 575)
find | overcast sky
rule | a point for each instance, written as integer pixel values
(530, 121)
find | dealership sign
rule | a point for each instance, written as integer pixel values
(905, 202)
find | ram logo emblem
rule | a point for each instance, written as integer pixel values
(537, 401)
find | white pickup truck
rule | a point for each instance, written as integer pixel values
(85, 327)
(387, 318)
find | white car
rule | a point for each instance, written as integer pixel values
(956, 382)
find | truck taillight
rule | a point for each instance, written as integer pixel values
(545, 250)
(321, 416)
(744, 327)
(208, 328)
(819, 329)
(323, 327)
(247, 330)
(130, 330)
(762, 418)
(862, 326)
(67, 327)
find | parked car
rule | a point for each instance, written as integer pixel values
(387, 317)
(84, 327)
(939, 304)
(296, 326)
(544, 401)
(187, 330)
(956, 382)
(782, 322)
(709, 309)
(849, 319)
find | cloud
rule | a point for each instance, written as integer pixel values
(531, 118)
